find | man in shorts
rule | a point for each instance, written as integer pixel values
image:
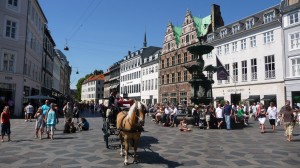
(28, 112)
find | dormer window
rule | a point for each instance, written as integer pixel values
(293, 18)
(249, 23)
(210, 37)
(235, 28)
(223, 33)
(269, 17)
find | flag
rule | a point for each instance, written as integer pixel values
(222, 74)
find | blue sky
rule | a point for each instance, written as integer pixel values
(101, 32)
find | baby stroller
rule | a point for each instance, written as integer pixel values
(202, 122)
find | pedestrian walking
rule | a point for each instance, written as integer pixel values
(76, 112)
(5, 123)
(272, 114)
(39, 123)
(51, 121)
(227, 114)
(288, 118)
(261, 113)
(28, 112)
(68, 111)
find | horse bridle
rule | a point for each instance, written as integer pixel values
(137, 114)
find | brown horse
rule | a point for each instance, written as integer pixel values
(131, 125)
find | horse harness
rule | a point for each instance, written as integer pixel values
(137, 127)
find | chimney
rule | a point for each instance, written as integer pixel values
(129, 53)
(216, 17)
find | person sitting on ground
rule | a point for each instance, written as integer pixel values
(158, 114)
(69, 126)
(83, 125)
(184, 125)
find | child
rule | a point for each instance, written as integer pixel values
(39, 124)
(183, 125)
(83, 125)
(5, 123)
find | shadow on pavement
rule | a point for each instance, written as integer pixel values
(154, 158)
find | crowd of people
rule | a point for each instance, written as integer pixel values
(227, 116)
(46, 118)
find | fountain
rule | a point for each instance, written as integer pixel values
(201, 91)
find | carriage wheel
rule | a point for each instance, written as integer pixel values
(106, 135)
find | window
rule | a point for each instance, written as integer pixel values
(152, 84)
(243, 44)
(173, 60)
(162, 64)
(223, 33)
(235, 29)
(270, 67)
(185, 75)
(179, 59)
(249, 23)
(168, 62)
(143, 85)
(169, 47)
(295, 41)
(156, 68)
(293, 18)
(244, 71)
(226, 49)
(187, 38)
(269, 17)
(268, 37)
(253, 41)
(296, 67)
(185, 57)
(235, 71)
(12, 4)
(11, 29)
(173, 77)
(234, 46)
(210, 37)
(8, 62)
(209, 55)
(168, 78)
(219, 50)
(178, 76)
(228, 71)
(156, 83)
(162, 79)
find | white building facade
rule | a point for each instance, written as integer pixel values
(291, 31)
(252, 53)
(150, 78)
(92, 89)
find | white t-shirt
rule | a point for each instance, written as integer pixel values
(167, 111)
(254, 109)
(272, 112)
(29, 108)
(219, 112)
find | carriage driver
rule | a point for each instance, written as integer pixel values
(112, 106)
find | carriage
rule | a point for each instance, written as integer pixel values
(109, 119)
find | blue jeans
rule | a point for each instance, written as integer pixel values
(227, 120)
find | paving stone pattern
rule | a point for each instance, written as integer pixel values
(159, 147)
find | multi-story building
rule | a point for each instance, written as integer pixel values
(114, 78)
(47, 62)
(93, 88)
(65, 73)
(149, 78)
(21, 49)
(251, 52)
(174, 86)
(106, 92)
(130, 71)
(290, 10)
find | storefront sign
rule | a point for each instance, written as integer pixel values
(235, 90)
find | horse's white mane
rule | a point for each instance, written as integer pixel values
(132, 108)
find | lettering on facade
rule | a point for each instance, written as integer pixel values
(235, 90)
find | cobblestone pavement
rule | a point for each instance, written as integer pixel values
(159, 147)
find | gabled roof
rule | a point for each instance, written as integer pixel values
(177, 32)
(202, 25)
(95, 78)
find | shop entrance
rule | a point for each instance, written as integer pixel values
(235, 98)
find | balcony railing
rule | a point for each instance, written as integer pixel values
(270, 74)
(254, 76)
(244, 77)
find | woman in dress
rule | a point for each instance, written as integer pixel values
(39, 123)
(51, 120)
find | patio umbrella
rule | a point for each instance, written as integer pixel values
(40, 97)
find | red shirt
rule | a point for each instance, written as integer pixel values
(5, 118)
